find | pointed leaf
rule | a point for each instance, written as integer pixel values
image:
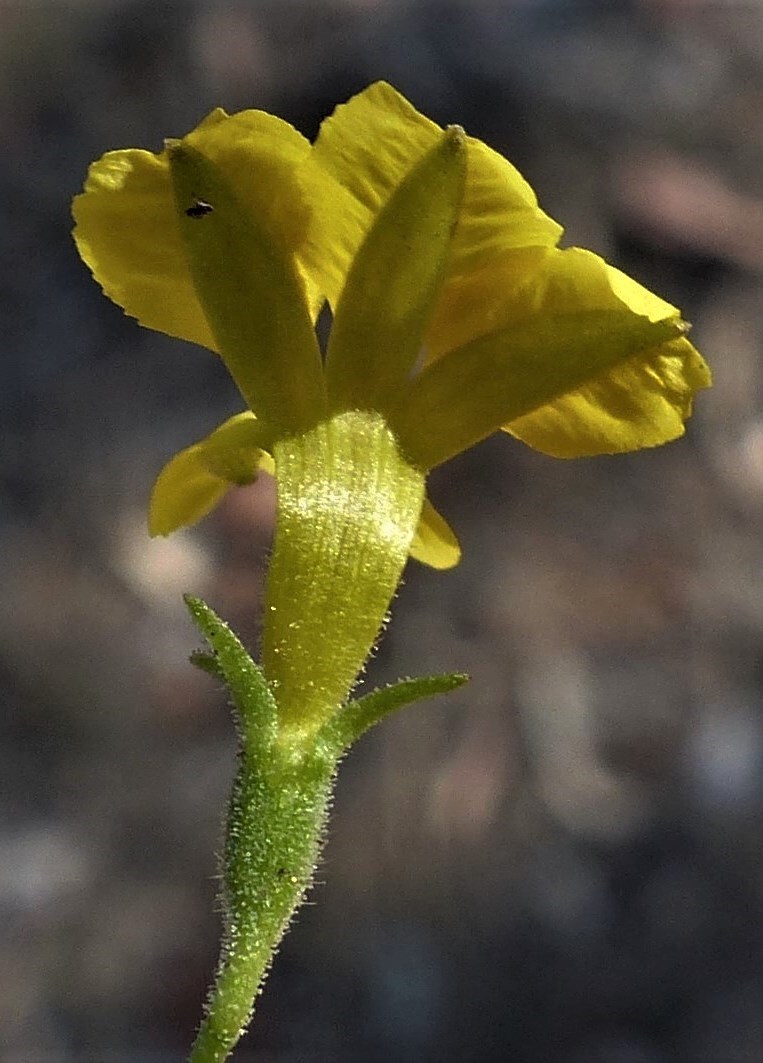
(256, 709)
(357, 717)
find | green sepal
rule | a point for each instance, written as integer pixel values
(359, 716)
(256, 712)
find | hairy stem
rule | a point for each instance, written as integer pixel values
(275, 827)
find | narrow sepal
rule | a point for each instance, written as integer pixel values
(256, 711)
(359, 716)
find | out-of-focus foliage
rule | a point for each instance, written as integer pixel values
(563, 863)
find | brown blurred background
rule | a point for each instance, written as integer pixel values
(562, 863)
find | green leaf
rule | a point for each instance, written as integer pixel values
(357, 717)
(255, 707)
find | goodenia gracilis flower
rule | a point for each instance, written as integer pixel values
(455, 314)
(555, 347)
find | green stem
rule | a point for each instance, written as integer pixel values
(275, 827)
(276, 821)
(348, 506)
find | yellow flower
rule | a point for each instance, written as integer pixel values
(454, 315)
(455, 312)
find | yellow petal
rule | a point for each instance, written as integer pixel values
(554, 369)
(394, 281)
(534, 282)
(485, 301)
(363, 152)
(641, 403)
(126, 227)
(251, 293)
(261, 156)
(529, 281)
(581, 358)
(500, 218)
(470, 393)
(193, 482)
(127, 234)
(435, 543)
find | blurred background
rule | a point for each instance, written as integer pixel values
(563, 862)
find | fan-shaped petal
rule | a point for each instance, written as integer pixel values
(363, 152)
(586, 361)
(126, 226)
(642, 402)
(127, 233)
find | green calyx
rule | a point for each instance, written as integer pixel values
(276, 820)
(348, 506)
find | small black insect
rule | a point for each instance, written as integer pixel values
(199, 209)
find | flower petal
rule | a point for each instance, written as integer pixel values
(641, 403)
(261, 157)
(486, 300)
(500, 219)
(536, 281)
(127, 234)
(193, 482)
(554, 370)
(251, 293)
(363, 152)
(435, 543)
(126, 227)
(470, 393)
(395, 280)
